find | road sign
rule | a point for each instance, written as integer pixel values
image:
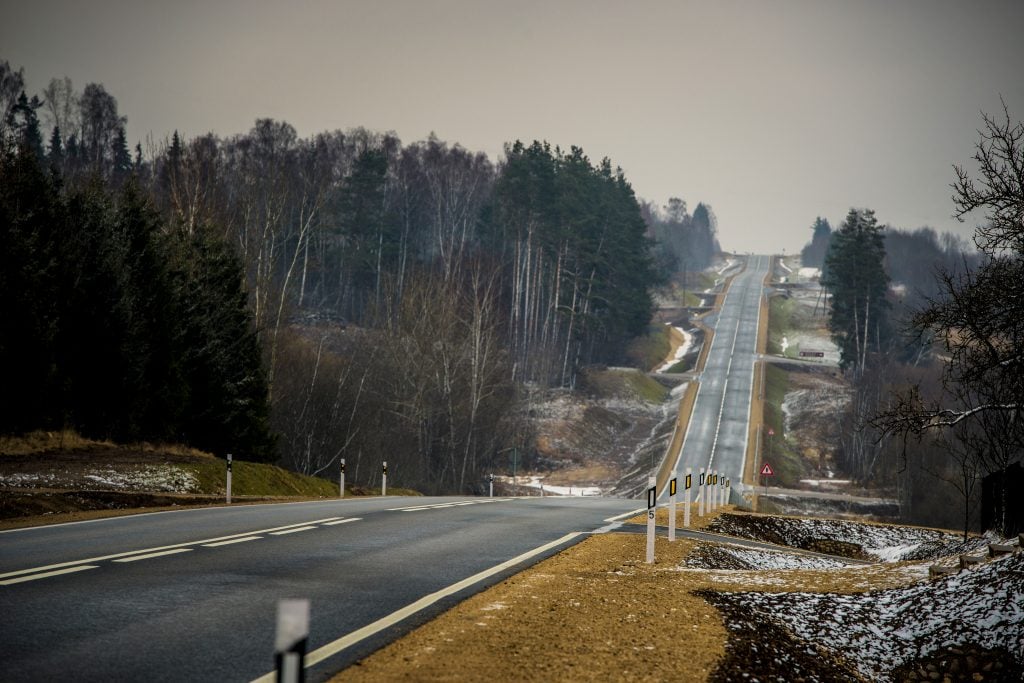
(771, 432)
(767, 471)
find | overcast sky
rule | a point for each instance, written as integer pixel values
(771, 112)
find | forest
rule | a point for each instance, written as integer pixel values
(302, 300)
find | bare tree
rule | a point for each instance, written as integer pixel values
(12, 84)
(62, 106)
(979, 320)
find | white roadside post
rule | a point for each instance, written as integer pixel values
(290, 642)
(709, 491)
(714, 491)
(727, 485)
(384, 480)
(491, 486)
(229, 479)
(701, 494)
(341, 479)
(686, 498)
(652, 500)
(672, 510)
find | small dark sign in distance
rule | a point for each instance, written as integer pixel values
(812, 354)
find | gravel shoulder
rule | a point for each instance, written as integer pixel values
(704, 612)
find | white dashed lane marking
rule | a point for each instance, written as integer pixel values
(233, 540)
(58, 569)
(148, 556)
(46, 575)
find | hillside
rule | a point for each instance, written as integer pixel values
(47, 477)
(596, 612)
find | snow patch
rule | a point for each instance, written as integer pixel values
(683, 349)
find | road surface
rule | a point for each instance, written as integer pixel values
(716, 437)
(191, 595)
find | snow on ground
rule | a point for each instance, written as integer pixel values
(809, 273)
(537, 482)
(683, 349)
(878, 631)
(884, 542)
(159, 478)
(714, 556)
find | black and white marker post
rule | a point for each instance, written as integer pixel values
(701, 494)
(341, 479)
(686, 497)
(652, 500)
(672, 510)
(490, 486)
(228, 489)
(290, 643)
(384, 480)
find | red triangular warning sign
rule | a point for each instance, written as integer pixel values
(767, 470)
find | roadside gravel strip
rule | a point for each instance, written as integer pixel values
(597, 612)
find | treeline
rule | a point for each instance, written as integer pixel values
(684, 242)
(398, 297)
(116, 324)
(930, 333)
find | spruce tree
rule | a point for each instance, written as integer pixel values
(855, 277)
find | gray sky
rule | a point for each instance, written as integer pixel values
(772, 112)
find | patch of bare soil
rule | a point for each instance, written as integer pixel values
(595, 612)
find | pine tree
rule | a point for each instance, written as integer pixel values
(855, 277)
(24, 123)
(56, 155)
(121, 159)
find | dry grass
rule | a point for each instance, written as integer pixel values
(572, 476)
(40, 441)
(43, 441)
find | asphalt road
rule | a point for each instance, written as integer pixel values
(716, 437)
(192, 595)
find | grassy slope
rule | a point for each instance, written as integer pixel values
(248, 478)
(777, 450)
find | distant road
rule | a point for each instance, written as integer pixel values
(191, 595)
(717, 434)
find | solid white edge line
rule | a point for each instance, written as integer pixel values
(44, 575)
(624, 515)
(166, 547)
(333, 648)
(233, 540)
(148, 556)
(292, 531)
